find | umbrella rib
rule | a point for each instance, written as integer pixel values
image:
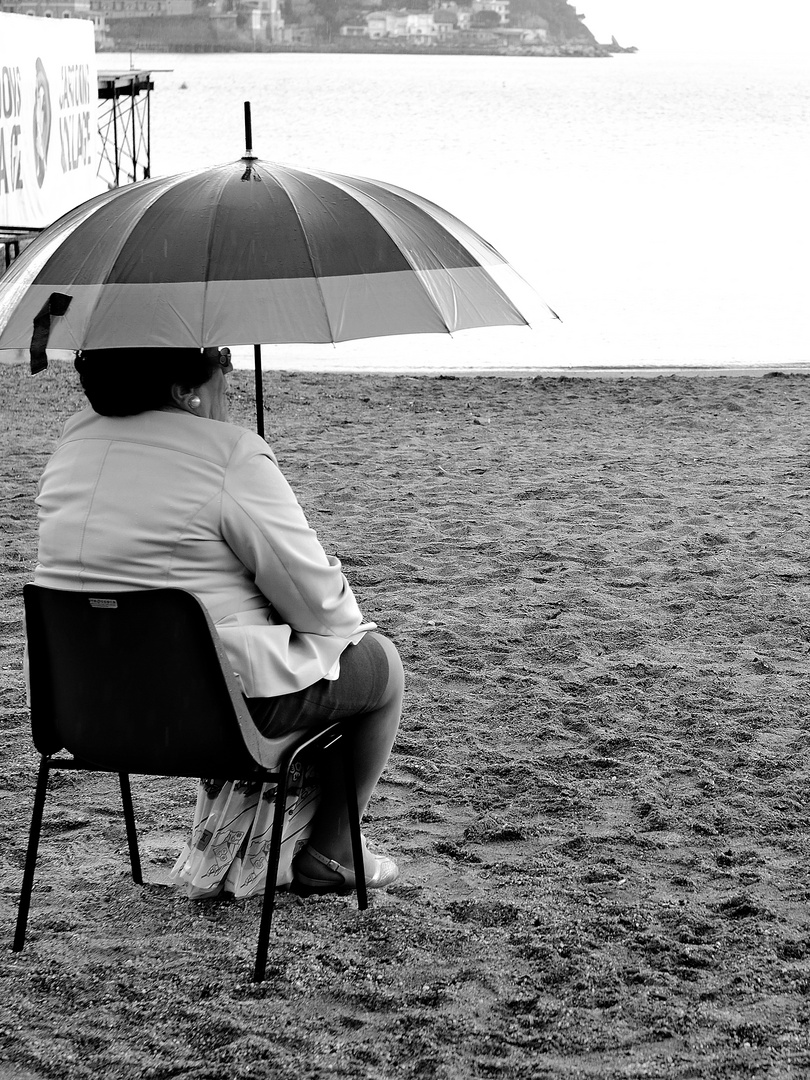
(315, 276)
(339, 181)
(371, 197)
(209, 247)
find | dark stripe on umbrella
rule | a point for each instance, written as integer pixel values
(172, 240)
(91, 247)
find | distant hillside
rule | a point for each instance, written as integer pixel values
(564, 24)
(228, 31)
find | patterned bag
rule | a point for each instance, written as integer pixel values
(230, 840)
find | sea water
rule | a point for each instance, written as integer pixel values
(657, 203)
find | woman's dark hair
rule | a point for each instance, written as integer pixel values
(124, 382)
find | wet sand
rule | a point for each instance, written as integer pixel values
(599, 798)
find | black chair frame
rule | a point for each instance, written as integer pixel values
(57, 727)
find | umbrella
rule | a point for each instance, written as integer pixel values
(250, 252)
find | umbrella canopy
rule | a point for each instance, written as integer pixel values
(249, 253)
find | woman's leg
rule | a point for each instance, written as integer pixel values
(369, 694)
(374, 734)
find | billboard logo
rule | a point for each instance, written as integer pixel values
(42, 121)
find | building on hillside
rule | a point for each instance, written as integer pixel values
(416, 26)
(62, 9)
(266, 20)
(445, 22)
(421, 28)
(141, 9)
(48, 9)
(384, 24)
(448, 24)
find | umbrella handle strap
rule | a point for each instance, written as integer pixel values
(56, 304)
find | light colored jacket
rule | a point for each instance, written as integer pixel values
(170, 499)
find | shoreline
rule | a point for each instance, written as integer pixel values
(591, 372)
(557, 371)
(562, 51)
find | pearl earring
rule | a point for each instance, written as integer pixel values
(195, 402)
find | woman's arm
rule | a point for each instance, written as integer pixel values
(263, 523)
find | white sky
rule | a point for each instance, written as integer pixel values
(718, 26)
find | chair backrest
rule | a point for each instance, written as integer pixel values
(134, 682)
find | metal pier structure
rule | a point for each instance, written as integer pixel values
(125, 126)
(125, 142)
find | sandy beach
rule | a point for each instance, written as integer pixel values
(599, 798)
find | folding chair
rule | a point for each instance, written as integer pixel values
(138, 682)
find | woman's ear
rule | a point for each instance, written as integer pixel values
(185, 397)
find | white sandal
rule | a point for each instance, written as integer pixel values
(379, 869)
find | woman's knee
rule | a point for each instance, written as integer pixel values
(396, 672)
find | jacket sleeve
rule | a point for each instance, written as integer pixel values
(265, 527)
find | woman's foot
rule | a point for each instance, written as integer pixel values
(317, 873)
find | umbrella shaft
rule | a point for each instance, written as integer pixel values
(257, 366)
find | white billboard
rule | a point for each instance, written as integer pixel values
(48, 118)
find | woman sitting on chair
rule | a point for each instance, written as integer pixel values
(151, 488)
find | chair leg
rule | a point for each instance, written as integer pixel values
(132, 835)
(273, 857)
(354, 820)
(31, 854)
